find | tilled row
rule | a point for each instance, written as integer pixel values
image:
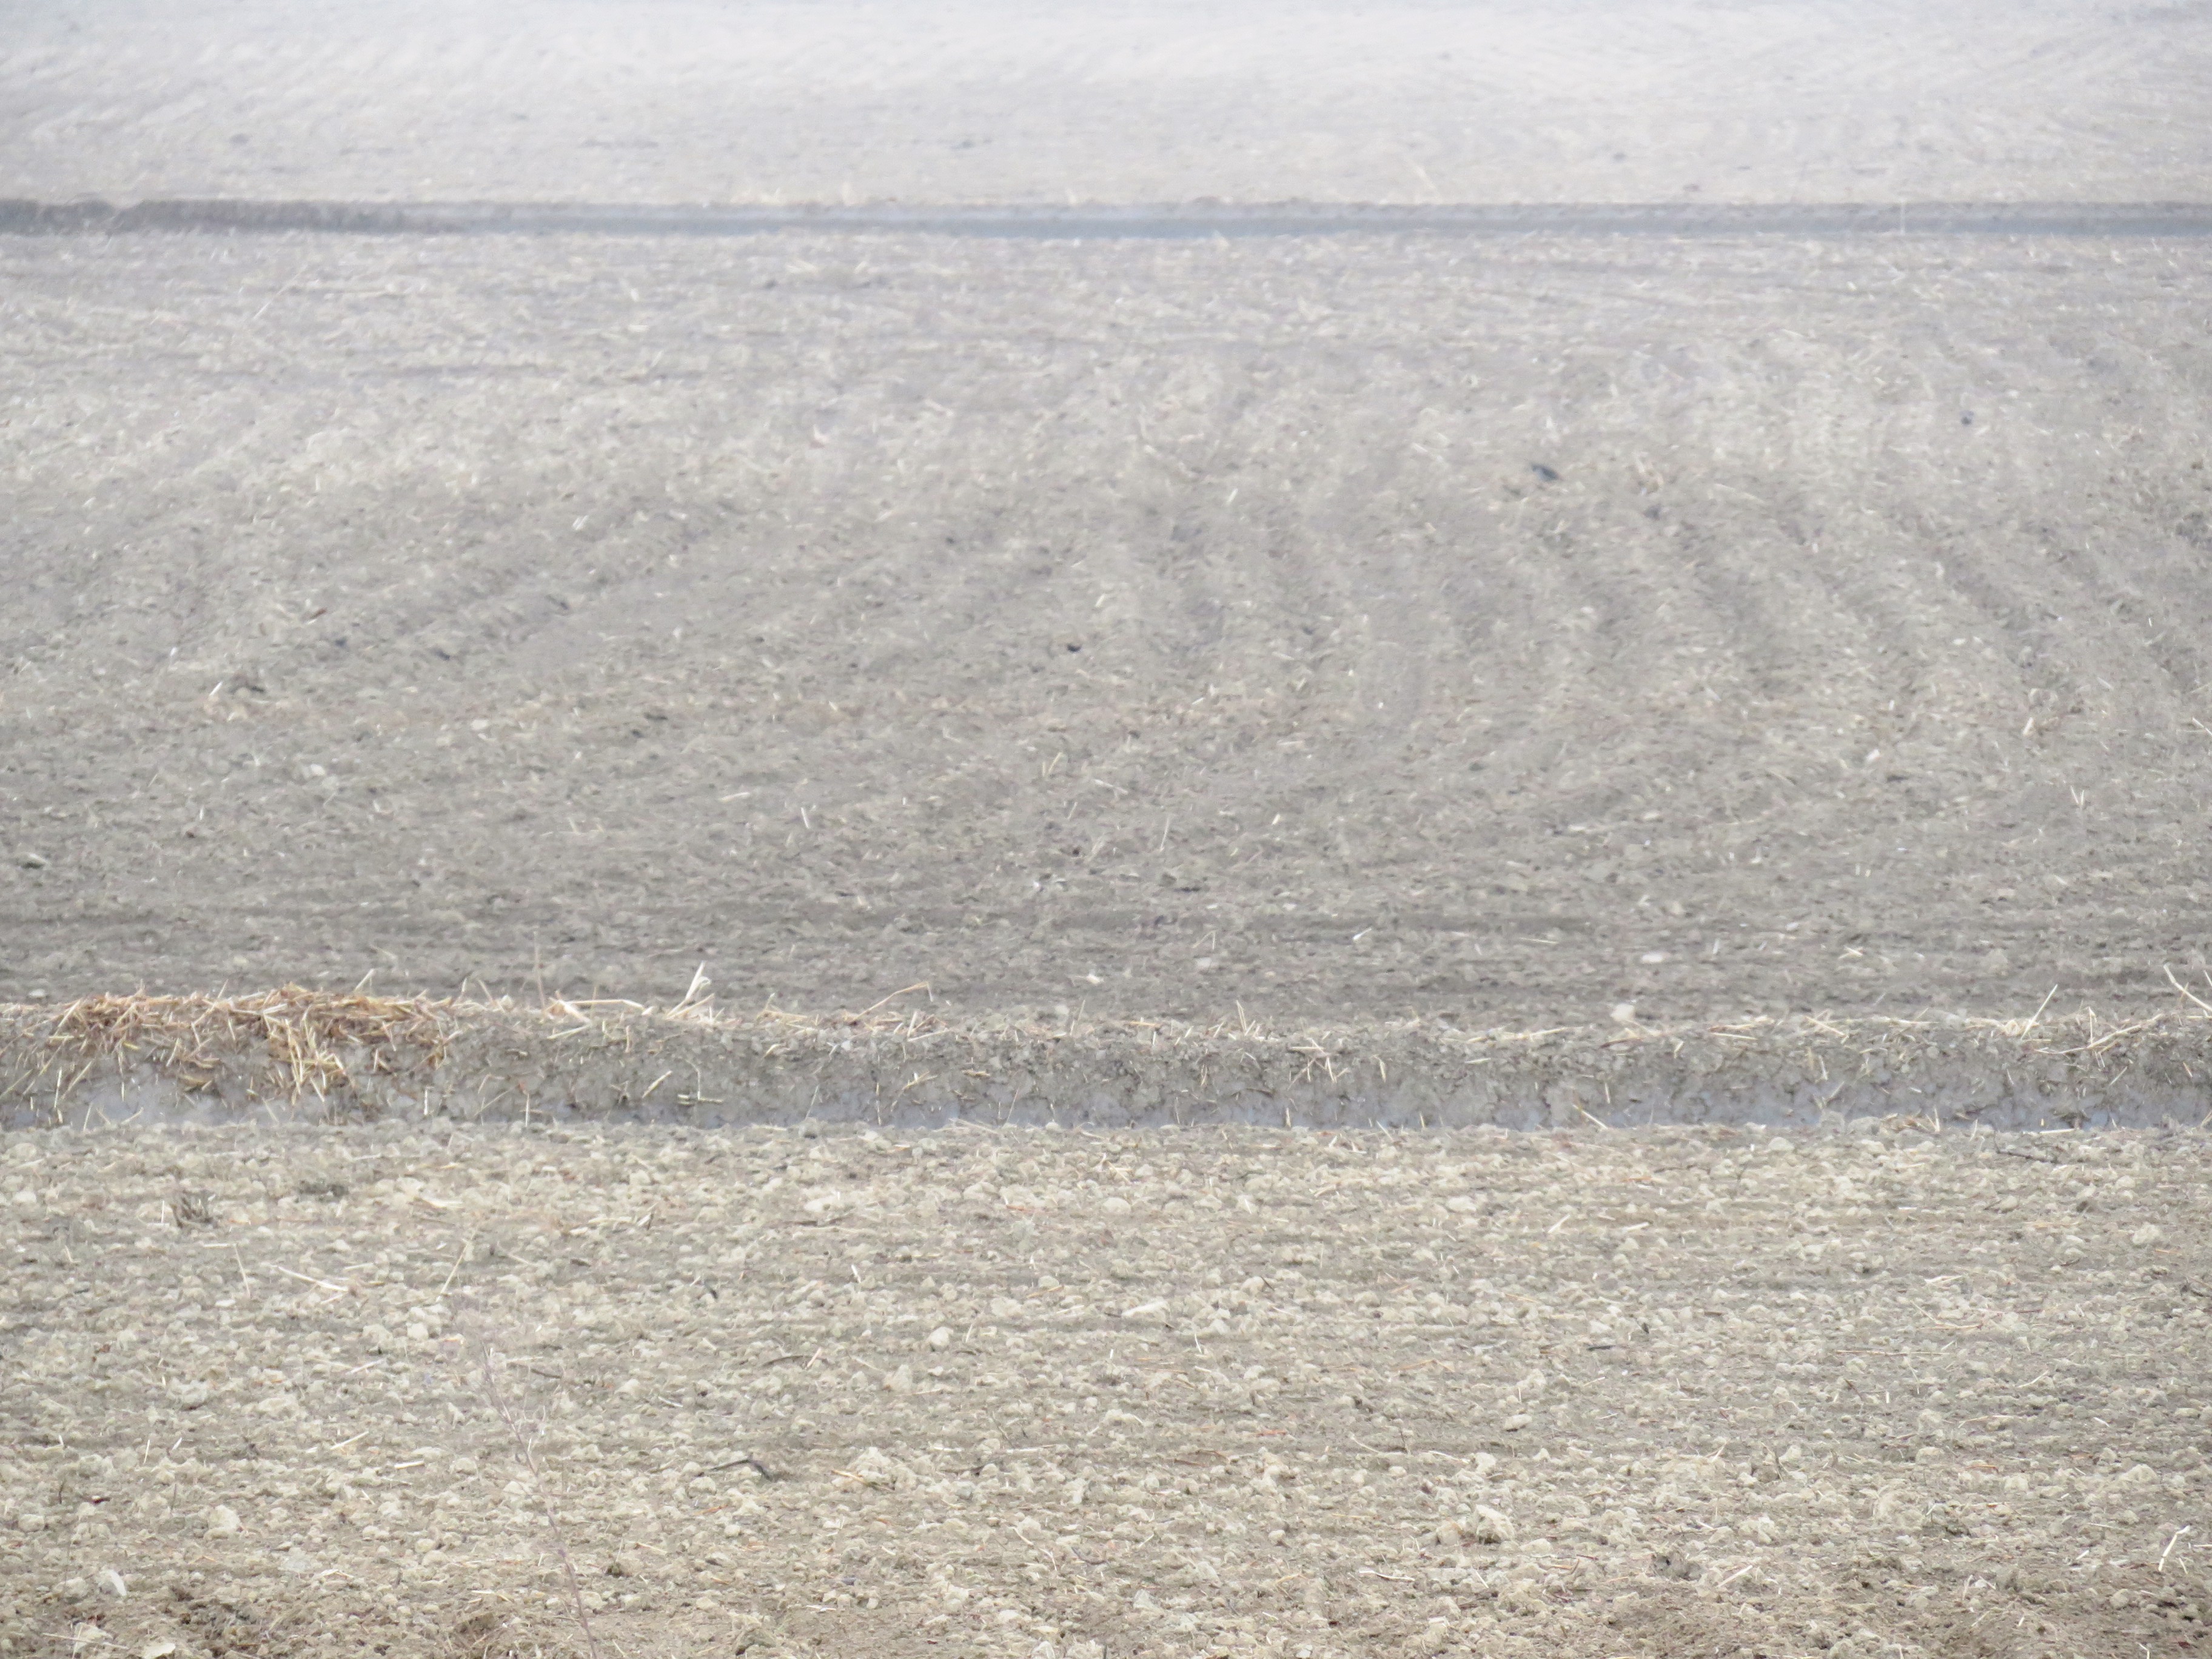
(1038, 1391)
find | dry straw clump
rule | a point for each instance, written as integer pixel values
(311, 1039)
(357, 1054)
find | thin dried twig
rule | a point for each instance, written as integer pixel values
(2185, 991)
(489, 1364)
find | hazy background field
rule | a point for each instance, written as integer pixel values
(670, 101)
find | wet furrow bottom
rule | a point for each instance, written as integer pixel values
(318, 1389)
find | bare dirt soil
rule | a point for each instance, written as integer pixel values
(1507, 631)
(1039, 1393)
(1139, 100)
(1340, 629)
(1552, 662)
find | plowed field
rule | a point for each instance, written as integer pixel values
(1010, 100)
(1143, 682)
(1331, 628)
(1053, 1395)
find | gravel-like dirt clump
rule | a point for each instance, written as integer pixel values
(1043, 1392)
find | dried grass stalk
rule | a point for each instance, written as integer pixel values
(307, 1035)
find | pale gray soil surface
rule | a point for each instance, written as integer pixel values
(1011, 101)
(1039, 1393)
(1330, 629)
(1410, 636)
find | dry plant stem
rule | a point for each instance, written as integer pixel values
(489, 1363)
(2185, 991)
(306, 1034)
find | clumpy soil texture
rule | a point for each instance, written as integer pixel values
(1338, 629)
(1039, 1393)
